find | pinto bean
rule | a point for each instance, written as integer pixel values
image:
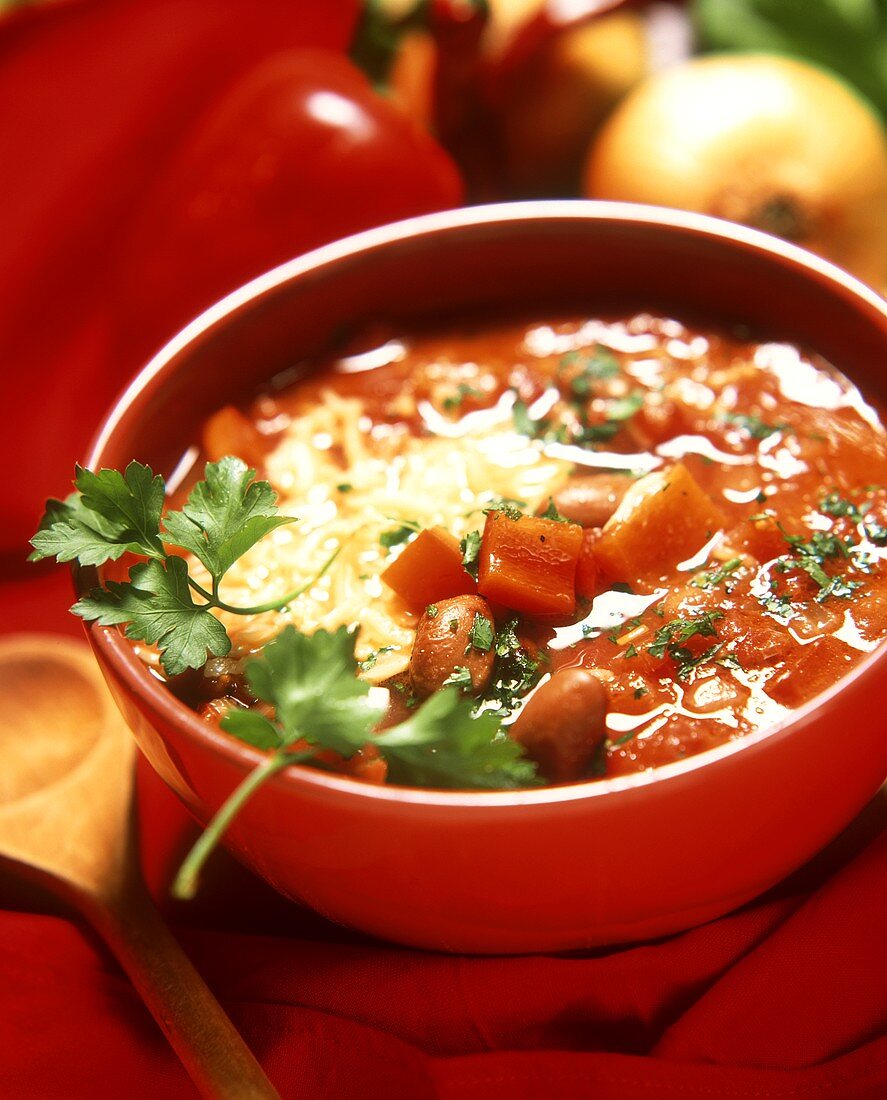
(563, 724)
(590, 500)
(444, 644)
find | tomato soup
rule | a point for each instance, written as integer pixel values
(631, 540)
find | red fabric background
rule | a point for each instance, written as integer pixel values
(786, 997)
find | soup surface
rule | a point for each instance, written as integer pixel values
(631, 539)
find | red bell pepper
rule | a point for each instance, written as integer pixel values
(300, 151)
(429, 569)
(96, 96)
(529, 564)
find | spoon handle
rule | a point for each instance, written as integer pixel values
(197, 1027)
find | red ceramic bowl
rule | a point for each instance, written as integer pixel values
(543, 870)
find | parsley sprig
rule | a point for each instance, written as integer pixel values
(113, 513)
(319, 703)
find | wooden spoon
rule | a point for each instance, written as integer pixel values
(67, 819)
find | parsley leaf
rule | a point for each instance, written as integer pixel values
(444, 745)
(109, 514)
(624, 408)
(68, 531)
(225, 515)
(312, 683)
(113, 513)
(156, 603)
(319, 703)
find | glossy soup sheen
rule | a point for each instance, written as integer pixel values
(727, 500)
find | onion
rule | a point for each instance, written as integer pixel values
(767, 141)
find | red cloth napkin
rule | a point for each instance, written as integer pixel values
(786, 997)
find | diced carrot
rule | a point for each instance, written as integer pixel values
(428, 569)
(229, 432)
(663, 519)
(587, 568)
(529, 564)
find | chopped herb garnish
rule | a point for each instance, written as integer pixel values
(833, 504)
(671, 637)
(623, 408)
(463, 390)
(344, 487)
(390, 539)
(370, 661)
(679, 631)
(640, 692)
(470, 547)
(810, 556)
(618, 411)
(481, 635)
(432, 611)
(875, 533)
(551, 512)
(777, 603)
(754, 426)
(460, 677)
(515, 672)
(716, 576)
(616, 632)
(599, 366)
(631, 651)
(523, 423)
(837, 586)
(507, 506)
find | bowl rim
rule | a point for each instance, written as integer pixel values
(112, 647)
